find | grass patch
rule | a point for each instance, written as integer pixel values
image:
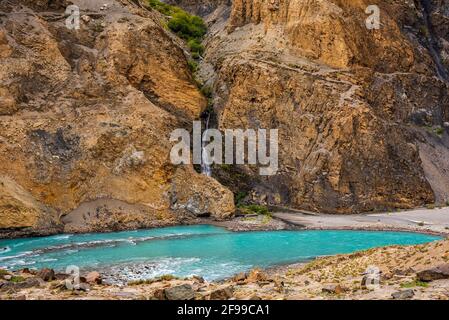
(239, 196)
(193, 65)
(17, 279)
(3, 272)
(207, 92)
(165, 277)
(254, 209)
(415, 283)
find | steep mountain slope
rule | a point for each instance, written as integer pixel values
(351, 104)
(86, 116)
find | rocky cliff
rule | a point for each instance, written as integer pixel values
(361, 112)
(86, 116)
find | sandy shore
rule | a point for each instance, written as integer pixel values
(434, 221)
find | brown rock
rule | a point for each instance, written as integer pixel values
(159, 294)
(93, 277)
(347, 140)
(333, 289)
(437, 273)
(181, 292)
(46, 274)
(223, 293)
(256, 275)
(240, 277)
(61, 276)
(403, 295)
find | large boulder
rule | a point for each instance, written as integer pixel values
(437, 273)
(181, 292)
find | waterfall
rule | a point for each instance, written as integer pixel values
(205, 166)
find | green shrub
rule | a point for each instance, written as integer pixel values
(3, 272)
(195, 46)
(164, 8)
(206, 91)
(239, 197)
(439, 131)
(415, 283)
(195, 55)
(17, 279)
(193, 66)
(187, 26)
(254, 209)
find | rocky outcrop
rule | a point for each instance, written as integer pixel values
(86, 117)
(435, 273)
(347, 100)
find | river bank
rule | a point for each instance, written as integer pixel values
(423, 220)
(403, 272)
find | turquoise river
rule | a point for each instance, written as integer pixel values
(204, 250)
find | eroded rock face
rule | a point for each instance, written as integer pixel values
(86, 116)
(344, 98)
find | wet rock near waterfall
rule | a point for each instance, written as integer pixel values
(437, 273)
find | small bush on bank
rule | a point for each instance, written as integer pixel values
(17, 279)
(254, 209)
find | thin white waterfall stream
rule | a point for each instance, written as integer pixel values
(205, 166)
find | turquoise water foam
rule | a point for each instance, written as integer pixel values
(204, 250)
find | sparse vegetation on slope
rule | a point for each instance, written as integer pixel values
(188, 27)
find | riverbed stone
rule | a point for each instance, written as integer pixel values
(181, 292)
(94, 277)
(46, 274)
(404, 294)
(223, 293)
(333, 289)
(257, 275)
(240, 277)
